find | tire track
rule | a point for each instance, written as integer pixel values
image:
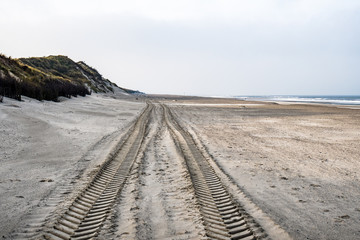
(158, 200)
(167, 208)
(221, 215)
(85, 216)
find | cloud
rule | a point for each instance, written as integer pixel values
(197, 47)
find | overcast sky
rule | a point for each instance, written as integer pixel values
(205, 47)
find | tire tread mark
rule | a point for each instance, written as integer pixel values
(221, 216)
(85, 216)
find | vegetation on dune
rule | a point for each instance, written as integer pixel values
(47, 78)
(64, 67)
(60, 66)
(17, 78)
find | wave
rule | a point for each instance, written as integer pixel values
(340, 100)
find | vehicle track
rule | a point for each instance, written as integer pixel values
(221, 215)
(85, 216)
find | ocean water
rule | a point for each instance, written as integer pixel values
(331, 99)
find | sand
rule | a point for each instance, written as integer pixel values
(297, 164)
(46, 146)
(158, 201)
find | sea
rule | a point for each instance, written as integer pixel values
(322, 99)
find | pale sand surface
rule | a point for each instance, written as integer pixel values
(297, 163)
(46, 146)
(158, 201)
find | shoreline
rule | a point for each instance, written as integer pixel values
(253, 100)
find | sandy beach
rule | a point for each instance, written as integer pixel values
(46, 146)
(298, 163)
(292, 167)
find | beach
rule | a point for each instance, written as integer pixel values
(46, 146)
(292, 167)
(299, 163)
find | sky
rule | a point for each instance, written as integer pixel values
(197, 47)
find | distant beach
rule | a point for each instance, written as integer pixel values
(321, 99)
